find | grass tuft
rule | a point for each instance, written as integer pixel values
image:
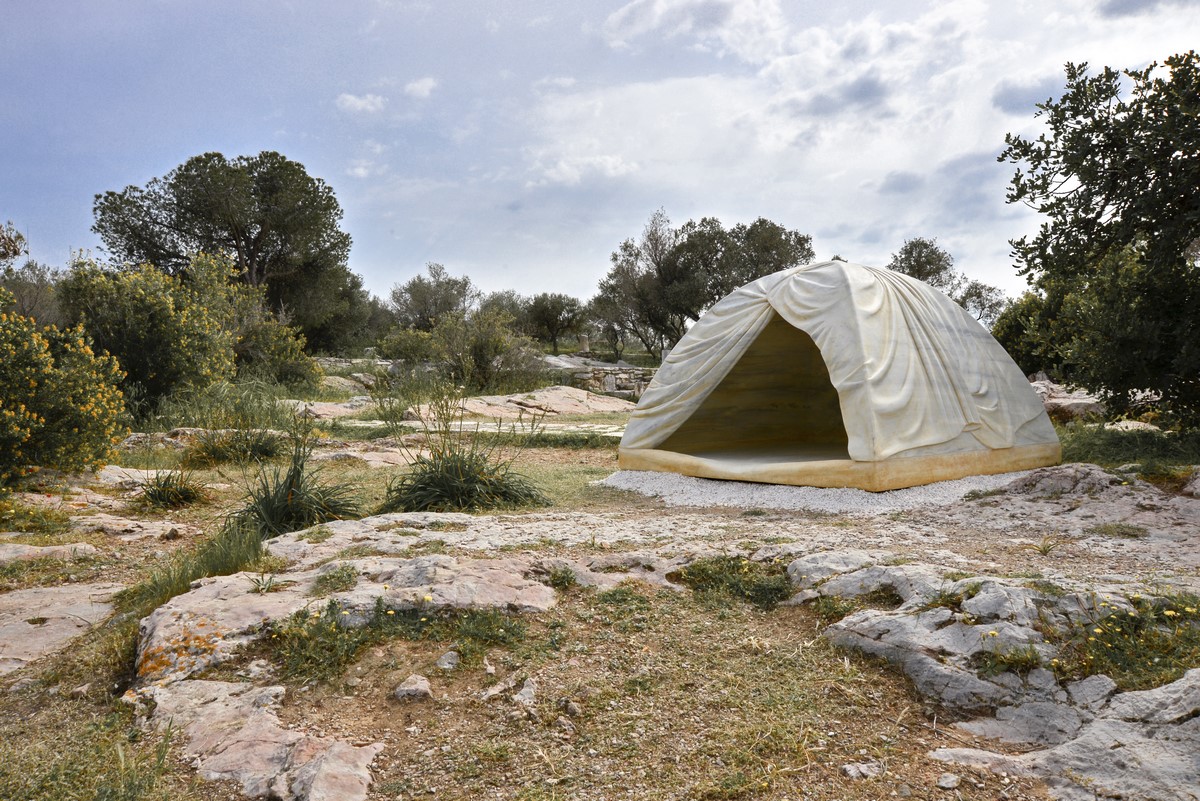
(764, 585)
(173, 489)
(237, 446)
(1146, 643)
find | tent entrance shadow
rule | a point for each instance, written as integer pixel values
(777, 404)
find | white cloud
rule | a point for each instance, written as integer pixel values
(360, 104)
(554, 83)
(753, 30)
(421, 87)
(365, 168)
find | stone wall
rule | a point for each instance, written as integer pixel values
(618, 381)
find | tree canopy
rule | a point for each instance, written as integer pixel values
(423, 300)
(927, 261)
(279, 226)
(1118, 183)
(552, 314)
(670, 276)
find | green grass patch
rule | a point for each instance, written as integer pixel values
(236, 446)
(338, 579)
(1150, 642)
(173, 489)
(1112, 448)
(318, 645)
(764, 585)
(32, 519)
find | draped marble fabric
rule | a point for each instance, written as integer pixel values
(914, 373)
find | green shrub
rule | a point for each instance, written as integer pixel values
(283, 500)
(764, 585)
(462, 471)
(266, 349)
(218, 447)
(1018, 659)
(244, 405)
(407, 345)
(1146, 643)
(59, 403)
(166, 333)
(173, 489)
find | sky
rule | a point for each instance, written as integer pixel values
(520, 142)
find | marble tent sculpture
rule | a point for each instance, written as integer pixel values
(838, 375)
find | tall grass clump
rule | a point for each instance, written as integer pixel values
(234, 548)
(233, 445)
(283, 499)
(462, 470)
(172, 489)
(244, 405)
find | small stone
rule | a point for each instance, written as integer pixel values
(353, 681)
(564, 724)
(170, 534)
(904, 791)
(488, 668)
(948, 781)
(572, 709)
(527, 696)
(81, 691)
(414, 688)
(861, 770)
(448, 660)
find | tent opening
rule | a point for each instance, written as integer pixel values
(777, 403)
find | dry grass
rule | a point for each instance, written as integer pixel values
(677, 697)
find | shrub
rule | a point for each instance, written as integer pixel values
(217, 447)
(266, 349)
(59, 402)
(173, 489)
(289, 500)
(461, 471)
(407, 345)
(166, 333)
(242, 405)
(176, 332)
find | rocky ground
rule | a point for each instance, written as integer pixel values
(600, 676)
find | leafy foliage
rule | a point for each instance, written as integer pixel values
(926, 261)
(277, 224)
(59, 402)
(166, 334)
(672, 275)
(1118, 182)
(283, 500)
(422, 301)
(178, 334)
(217, 447)
(551, 314)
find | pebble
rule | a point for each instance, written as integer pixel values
(414, 688)
(948, 781)
(448, 660)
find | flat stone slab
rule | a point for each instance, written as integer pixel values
(18, 552)
(232, 732)
(129, 529)
(207, 624)
(39, 621)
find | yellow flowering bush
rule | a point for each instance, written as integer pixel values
(59, 403)
(168, 332)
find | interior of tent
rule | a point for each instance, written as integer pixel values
(795, 416)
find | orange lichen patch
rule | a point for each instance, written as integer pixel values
(194, 649)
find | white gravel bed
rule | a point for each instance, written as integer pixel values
(680, 490)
